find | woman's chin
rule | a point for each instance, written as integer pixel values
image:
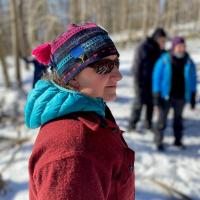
(110, 97)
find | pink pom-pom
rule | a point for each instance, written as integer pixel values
(42, 53)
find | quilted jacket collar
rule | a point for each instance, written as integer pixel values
(48, 101)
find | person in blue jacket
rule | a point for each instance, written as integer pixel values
(173, 85)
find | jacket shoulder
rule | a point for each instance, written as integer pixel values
(63, 132)
(165, 55)
(144, 45)
(189, 59)
(164, 58)
(56, 140)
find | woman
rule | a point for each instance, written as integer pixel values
(79, 152)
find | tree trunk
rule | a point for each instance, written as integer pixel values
(83, 14)
(171, 15)
(145, 17)
(98, 11)
(114, 17)
(2, 52)
(124, 15)
(4, 66)
(160, 10)
(15, 39)
(198, 18)
(24, 47)
(75, 11)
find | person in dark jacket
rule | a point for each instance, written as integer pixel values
(145, 57)
(79, 153)
(39, 69)
(174, 84)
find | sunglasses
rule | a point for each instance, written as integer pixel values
(104, 66)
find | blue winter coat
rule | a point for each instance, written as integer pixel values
(162, 76)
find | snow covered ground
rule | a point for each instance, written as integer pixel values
(177, 168)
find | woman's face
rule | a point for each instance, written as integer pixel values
(99, 85)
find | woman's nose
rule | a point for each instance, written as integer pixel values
(115, 74)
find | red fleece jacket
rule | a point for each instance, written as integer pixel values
(81, 158)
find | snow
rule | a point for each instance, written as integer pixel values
(177, 168)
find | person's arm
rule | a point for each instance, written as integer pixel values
(193, 85)
(156, 80)
(140, 64)
(72, 178)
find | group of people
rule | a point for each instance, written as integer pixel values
(162, 79)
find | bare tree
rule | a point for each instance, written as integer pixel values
(145, 17)
(75, 12)
(198, 19)
(2, 52)
(4, 64)
(83, 9)
(24, 45)
(123, 14)
(15, 39)
(159, 12)
(98, 7)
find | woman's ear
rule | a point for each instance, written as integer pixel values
(74, 84)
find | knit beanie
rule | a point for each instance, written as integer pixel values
(75, 49)
(177, 40)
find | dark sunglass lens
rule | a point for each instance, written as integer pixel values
(104, 69)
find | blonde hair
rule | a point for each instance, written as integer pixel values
(55, 78)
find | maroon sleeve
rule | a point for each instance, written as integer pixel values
(70, 178)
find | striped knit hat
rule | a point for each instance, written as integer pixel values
(75, 49)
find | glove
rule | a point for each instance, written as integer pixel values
(192, 101)
(156, 99)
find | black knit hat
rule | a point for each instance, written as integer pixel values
(159, 32)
